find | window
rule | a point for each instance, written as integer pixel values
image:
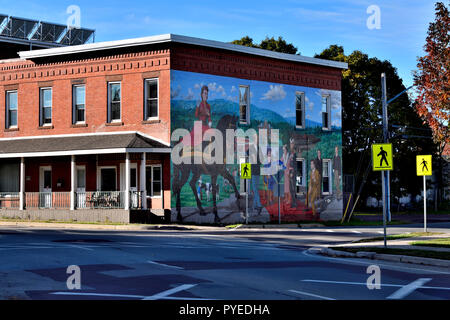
(300, 110)
(78, 98)
(154, 180)
(11, 109)
(326, 114)
(326, 176)
(300, 180)
(114, 101)
(244, 104)
(45, 106)
(151, 99)
(107, 179)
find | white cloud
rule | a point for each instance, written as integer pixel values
(275, 93)
(175, 92)
(309, 104)
(190, 94)
(233, 89)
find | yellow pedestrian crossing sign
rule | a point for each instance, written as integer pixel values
(246, 171)
(382, 157)
(423, 165)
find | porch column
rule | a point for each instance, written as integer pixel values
(72, 183)
(22, 184)
(143, 178)
(127, 181)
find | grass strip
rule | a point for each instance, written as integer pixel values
(439, 243)
(398, 236)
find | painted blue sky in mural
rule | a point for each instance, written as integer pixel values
(279, 98)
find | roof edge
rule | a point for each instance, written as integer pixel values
(165, 38)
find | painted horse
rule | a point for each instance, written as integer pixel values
(181, 173)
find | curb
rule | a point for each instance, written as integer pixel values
(379, 256)
(62, 225)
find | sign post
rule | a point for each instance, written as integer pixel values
(424, 168)
(382, 160)
(246, 173)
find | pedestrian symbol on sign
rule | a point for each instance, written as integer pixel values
(246, 171)
(424, 165)
(382, 157)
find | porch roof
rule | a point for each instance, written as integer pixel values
(80, 144)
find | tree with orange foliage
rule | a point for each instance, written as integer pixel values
(432, 79)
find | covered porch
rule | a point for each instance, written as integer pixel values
(73, 175)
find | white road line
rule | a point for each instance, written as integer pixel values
(380, 232)
(328, 230)
(354, 231)
(169, 292)
(80, 247)
(408, 289)
(165, 265)
(311, 295)
(351, 283)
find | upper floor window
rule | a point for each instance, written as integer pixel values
(11, 109)
(151, 99)
(45, 106)
(79, 105)
(300, 110)
(326, 112)
(114, 101)
(244, 104)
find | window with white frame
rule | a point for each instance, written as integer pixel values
(326, 112)
(45, 106)
(78, 103)
(300, 180)
(151, 99)
(244, 104)
(326, 176)
(300, 110)
(11, 109)
(154, 180)
(114, 101)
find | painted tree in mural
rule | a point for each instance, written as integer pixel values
(362, 124)
(432, 80)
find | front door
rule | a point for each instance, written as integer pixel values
(45, 187)
(134, 196)
(81, 187)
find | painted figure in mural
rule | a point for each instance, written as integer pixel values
(203, 110)
(319, 167)
(269, 180)
(199, 190)
(182, 172)
(256, 172)
(292, 173)
(337, 165)
(314, 188)
(285, 160)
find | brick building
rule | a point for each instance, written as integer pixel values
(87, 129)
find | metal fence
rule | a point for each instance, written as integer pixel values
(61, 200)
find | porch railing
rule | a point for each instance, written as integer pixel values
(9, 200)
(61, 200)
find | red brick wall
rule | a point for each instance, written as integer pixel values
(131, 68)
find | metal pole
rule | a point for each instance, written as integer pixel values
(278, 183)
(384, 209)
(424, 204)
(386, 196)
(246, 201)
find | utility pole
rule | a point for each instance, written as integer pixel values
(385, 174)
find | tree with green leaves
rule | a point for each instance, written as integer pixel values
(278, 45)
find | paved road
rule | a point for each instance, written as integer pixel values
(230, 264)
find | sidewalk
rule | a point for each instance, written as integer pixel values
(391, 244)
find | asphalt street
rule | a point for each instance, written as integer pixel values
(239, 264)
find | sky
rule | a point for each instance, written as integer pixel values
(310, 25)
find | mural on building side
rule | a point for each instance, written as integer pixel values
(307, 182)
